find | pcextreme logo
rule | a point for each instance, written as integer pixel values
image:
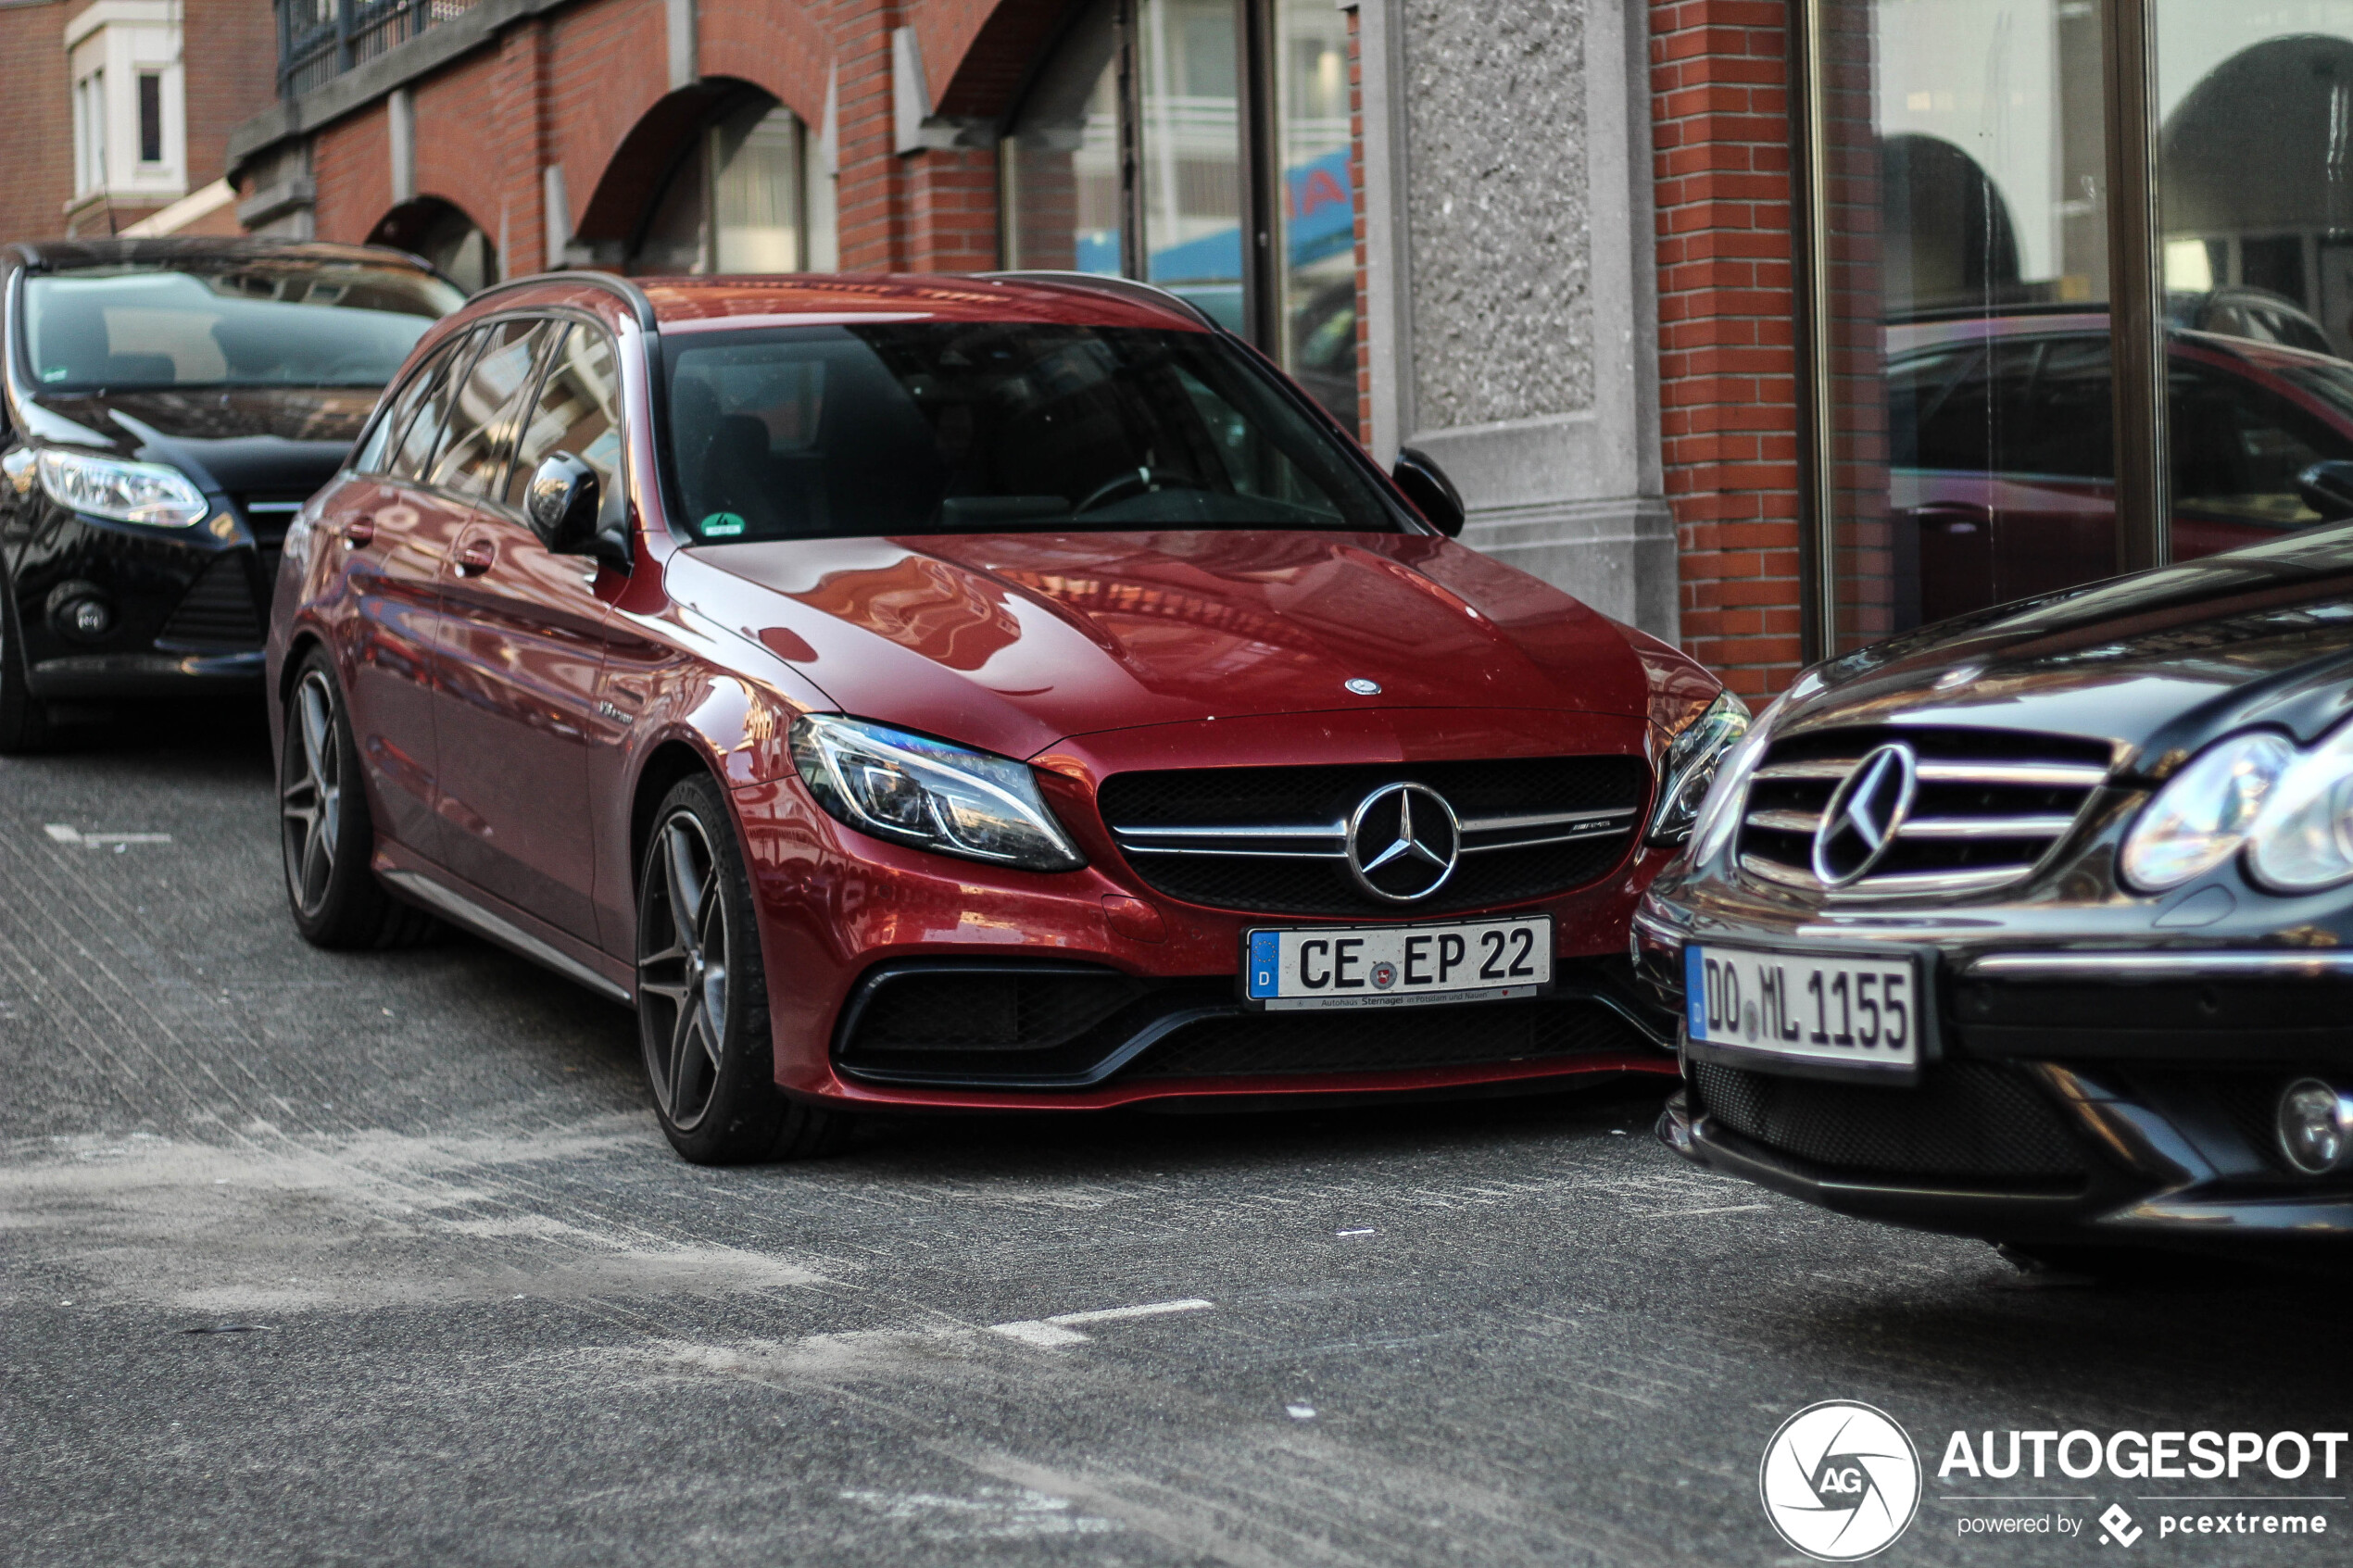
(1839, 1480)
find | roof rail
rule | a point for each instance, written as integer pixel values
(611, 282)
(1123, 288)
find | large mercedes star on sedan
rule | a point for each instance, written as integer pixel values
(2038, 925)
(170, 403)
(963, 692)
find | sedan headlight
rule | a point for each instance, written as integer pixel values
(156, 493)
(927, 793)
(2206, 811)
(1690, 768)
(2303, 841)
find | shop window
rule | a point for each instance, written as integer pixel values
(1163, 135)
(748, 193)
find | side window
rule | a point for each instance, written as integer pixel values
(2236, 447)
(383, 439)
(578, 410)
(2069, 429)
(412, 451)
(483, 415)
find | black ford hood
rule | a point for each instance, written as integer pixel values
(2155, 664)
(231, 440)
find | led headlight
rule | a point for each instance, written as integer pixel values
(2303, 840)
(1720, 813)
(929, 794)
(1692, 760)
(156, 493)
(2205, 812)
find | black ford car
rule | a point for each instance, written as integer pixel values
(2037, 926)
(170, 403)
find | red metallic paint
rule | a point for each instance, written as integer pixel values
(1088, 654)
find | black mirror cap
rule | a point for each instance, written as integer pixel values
(2327, 488)
(562, 505)
(1427, 487)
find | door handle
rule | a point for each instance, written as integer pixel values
(476, 557)
(358, 533)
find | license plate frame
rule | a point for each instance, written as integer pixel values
(1263, 945)
(1769, 1048)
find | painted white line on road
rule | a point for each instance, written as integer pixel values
(1056, 1330)
(66, 833)
(1720, 1209)
(61, 832)
(1367, 1231)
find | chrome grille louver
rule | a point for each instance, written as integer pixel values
(1989, 806)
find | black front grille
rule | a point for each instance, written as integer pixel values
(959, 1011)
(218, 611)
(1966, 1120)
(1393, 1039)
(1610, 791)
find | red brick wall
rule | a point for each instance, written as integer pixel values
(351, 162)
(36, 123)
(1728, 386)
(608, 63)
(871, 193)
(1356, 197)
(775, 44)
(228, 74)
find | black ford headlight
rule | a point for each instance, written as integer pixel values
(914, 790)
(1692, 760)
(155, 493)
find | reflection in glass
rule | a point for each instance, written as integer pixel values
(1061, 163)
(1972, 416)
(2255, 208)
(1190, 150)
(1314, 210)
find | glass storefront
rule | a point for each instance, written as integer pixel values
(1975, 286)
(1163, 134)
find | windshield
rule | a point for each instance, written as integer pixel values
(810, 432)
(247, 322)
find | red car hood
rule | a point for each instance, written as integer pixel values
(1012, 642)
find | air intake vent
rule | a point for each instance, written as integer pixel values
(218, 611)
(1983, 809)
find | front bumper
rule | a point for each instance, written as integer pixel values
(2117, 1094)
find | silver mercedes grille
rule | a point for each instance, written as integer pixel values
(1984, 809)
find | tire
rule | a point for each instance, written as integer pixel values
(702, 996)
(325, 834)
(24, 718)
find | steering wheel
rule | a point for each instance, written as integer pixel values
(1136, 481)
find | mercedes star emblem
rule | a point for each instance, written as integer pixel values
(1865, 814)
(1402, 842)
(1361, 686)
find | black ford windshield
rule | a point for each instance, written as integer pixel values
(809, 433)
(243, 322)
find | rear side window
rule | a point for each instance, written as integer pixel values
(484, 414)
(577, 411)
(413, 447)
(383, 438)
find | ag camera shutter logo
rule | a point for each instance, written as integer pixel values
(1839, 1481)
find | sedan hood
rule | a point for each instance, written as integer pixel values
(2157, 664)
(236, 440)
(1012, 642)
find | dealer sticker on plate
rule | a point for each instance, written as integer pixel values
(1855, 1009)
(1397, 965)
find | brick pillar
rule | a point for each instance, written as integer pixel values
(1728, 386)
(526, 147)
(1356, 202)
(872, 183)
(951, 209)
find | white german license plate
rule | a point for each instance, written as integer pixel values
(1858, 1010)
(1377, 966)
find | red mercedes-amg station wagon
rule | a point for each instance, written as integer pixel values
(963, 692)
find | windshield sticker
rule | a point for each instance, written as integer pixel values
(721, 525)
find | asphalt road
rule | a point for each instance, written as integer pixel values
(485, 1316)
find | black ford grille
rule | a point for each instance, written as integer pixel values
(218, 611)
(1272, 839)
(1965, 1121)
(1987, 807)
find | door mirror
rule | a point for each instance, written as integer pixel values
(562, 504)
(1427, 487)
(2327, 488)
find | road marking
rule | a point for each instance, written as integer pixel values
(1720, 1209)
(65, 833)
(1057, 1330)
(1367, 1231)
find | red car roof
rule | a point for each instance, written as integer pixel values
(703, 304)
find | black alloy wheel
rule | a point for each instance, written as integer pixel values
(324, 827)
(24, 718)
(702, 996)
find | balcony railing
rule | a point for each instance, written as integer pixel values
(319, 40)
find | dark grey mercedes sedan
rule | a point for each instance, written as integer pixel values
(2037, 926)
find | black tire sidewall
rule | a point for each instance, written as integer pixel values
(746, 1111)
